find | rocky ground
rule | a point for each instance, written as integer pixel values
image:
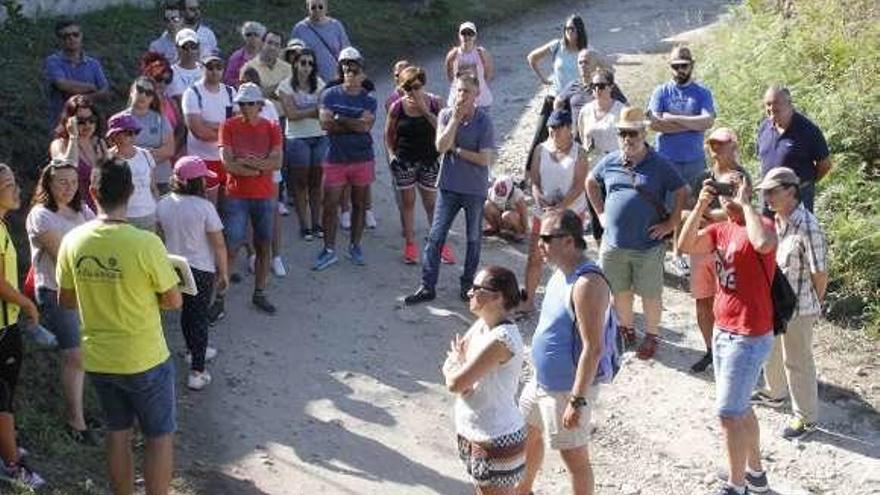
(340, 393)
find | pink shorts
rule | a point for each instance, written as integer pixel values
(345, 174)
(702, 276)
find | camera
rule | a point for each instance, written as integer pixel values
(722, 188)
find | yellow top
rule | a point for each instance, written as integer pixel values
(10, 271)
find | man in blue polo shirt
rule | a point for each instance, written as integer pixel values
(788, 139)
(635, 219)
(466, 141)
(69, 71)
(680, 111)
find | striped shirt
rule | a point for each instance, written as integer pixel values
(802, 252)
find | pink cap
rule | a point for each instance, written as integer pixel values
(192, 167)
(722, 135)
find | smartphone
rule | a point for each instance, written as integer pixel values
(723, 188)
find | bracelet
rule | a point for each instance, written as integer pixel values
(577, 401)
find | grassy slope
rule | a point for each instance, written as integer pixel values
(828, 53)
(380, 28)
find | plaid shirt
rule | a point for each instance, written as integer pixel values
(802, 252)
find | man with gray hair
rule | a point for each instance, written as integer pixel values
(786, 138)
(252, 32)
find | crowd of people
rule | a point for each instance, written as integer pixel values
(209, 152)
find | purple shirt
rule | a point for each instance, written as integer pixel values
(57, 67)
(233, 67)
(460, 175)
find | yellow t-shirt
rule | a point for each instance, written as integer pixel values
(10, 270)
(117, 272)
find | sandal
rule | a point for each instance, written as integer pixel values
(629, 336)
(648, 347)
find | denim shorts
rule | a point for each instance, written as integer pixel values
(737, 360)
(236, 214)
(63, 322)
(305, 152)
(147, 396)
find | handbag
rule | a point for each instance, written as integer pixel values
(782, 295)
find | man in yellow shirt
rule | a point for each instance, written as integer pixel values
(272, 70)
(119, 278)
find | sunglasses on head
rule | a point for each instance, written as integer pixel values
(548, 238)
(600, 86)
(70, 34)
(680, 66)
(467, 32)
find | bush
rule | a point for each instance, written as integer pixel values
(828, 53)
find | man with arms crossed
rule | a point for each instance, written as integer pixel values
(556, 401)
(119, 278)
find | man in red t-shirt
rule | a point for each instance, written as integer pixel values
(744, 247)
(250, 148)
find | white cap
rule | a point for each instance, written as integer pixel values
(184, 36)
(249, 93)
(350, 53)
(467, 25)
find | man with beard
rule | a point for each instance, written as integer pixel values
(192, 19)
(272, 70)
(681, 110)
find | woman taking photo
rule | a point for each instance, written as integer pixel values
(58, 208)
(78, 140)
(157, 135)
(305, 142)
(482, 369)
(468, 57)
(563, 53)
(121, 133)
(410, 130)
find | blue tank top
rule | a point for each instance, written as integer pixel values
(565, 68)
(554, 346)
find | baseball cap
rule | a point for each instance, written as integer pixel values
(211, 57)
(249, 93)
(779, 176)
(559, 118)
(192, 167)
(681, 55)
(632, 118)
(467, 25)
(184, 36)
(122, 122)
(350, 53)
(722, 135)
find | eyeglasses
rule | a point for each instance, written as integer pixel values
(600, 86)
(624, 133)
(680, 66)
(70, 34)
(412, 87)
(248, 103)
(548, 238)
(467, 33)
(306, 63)
(316, 6)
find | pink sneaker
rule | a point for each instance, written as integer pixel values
(446, 255)
(410, 254)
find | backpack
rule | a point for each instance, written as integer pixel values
(611, 359)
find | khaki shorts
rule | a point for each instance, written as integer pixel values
(634, 270)
(544, 410)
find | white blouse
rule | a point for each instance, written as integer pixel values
(601, 132)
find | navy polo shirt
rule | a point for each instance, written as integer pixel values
(57, 66)
(798, 148)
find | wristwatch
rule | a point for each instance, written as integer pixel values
(577, 401)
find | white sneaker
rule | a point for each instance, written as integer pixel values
(283, 209)
(197, 380)
(252, 263)
(370, 220)
(345, 220)
(210, 354)
(278, 267)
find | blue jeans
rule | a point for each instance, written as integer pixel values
(737, 360)
(147, 396)
(448, 205)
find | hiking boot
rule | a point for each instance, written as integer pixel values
(446, 255)
(757, 483)
(262, 303)
(648, 347)
(326, 258)
(19, 473)
(410, 254)
(704, 362)
(761, 398)
(422, 295)
(356, 255)
(798, 429)
(370, 220)
(198, 380)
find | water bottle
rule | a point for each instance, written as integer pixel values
(41, 336)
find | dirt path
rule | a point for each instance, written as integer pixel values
(340, 392)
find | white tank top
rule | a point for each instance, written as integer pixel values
(556, 177)
(469, 61)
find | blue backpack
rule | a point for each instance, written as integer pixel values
(611, 360)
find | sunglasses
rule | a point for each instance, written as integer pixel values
(251, 35)
(412, 87)
(314, 7)
(624, 133)
(468, 33)
(351, 68)
(548, 238)
(485, 288)
(214, 66)
(70, 34)
(600, 86)
(145, 91)
(306, 63)
(680, 66)
(248, 103)
(191, 46)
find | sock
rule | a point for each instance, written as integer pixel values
(754, 473)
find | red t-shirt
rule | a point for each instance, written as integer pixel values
(243, 139)
(742, 299)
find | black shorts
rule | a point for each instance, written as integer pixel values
(408, 173)
(10, 365)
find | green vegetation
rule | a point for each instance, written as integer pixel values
(383, 30)
(828, 53)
